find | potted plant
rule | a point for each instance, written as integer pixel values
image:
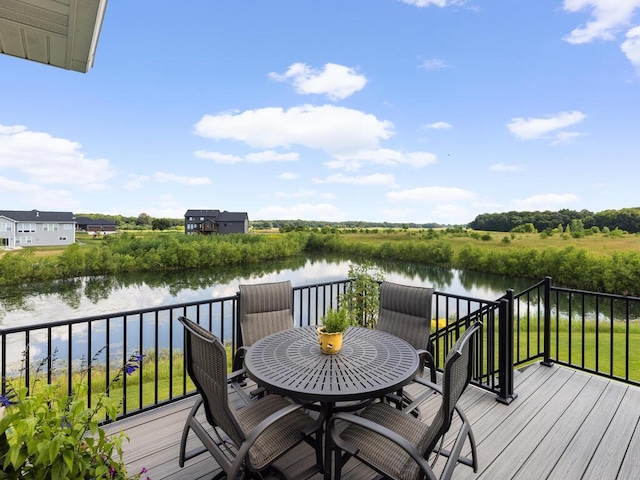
(334, 323)
(361, 298)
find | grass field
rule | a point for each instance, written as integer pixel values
(598, 243)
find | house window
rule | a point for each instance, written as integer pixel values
(67, 226)
(50, 227)
(26, 227)
(5, 227)
(24, 240)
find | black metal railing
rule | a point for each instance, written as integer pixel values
(95, 349)
(594, 332)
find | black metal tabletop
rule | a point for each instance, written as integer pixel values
(371, 363)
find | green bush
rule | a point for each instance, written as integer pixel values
(46, 435)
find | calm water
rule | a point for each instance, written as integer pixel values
(62, 300)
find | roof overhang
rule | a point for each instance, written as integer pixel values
(63, 33)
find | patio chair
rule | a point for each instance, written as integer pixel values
(245, 440)
(264, 308)
(405, 311)
(395, 443)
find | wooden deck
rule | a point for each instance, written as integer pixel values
(563, 425)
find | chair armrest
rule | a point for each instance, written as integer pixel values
(429, 361)
(238, 359)
(236, 375)
(255, 433)
(236, 381)
(382, 431)
(433, 387)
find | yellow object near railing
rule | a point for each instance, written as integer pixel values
(439, 323)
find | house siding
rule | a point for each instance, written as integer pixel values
(36, 229)
(207, 222)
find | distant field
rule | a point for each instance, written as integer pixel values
(597, 243)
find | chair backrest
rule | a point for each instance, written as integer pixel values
(206, 360)
(458, 369)
(405, 311)
(265, 308)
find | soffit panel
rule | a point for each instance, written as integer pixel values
(59, 33)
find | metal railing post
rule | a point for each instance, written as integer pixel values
(547, 322)
(505, 349)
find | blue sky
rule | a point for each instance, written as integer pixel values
(333, 110)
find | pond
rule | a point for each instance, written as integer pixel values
(81, 297)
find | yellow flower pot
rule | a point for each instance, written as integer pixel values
(330, 343)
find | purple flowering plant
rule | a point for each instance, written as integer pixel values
(45, 434)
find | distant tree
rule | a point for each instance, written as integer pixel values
(143, 220)
(161, 224)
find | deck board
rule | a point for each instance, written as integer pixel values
(563, 425)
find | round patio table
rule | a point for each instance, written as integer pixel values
(370, 364)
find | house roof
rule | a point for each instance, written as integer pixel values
(94, 221)
(63, 33)
(38, 216)
(219, 216)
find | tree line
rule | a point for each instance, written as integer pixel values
(626, 219)
(141, 222)
(127, 253)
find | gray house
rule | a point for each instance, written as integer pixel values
(207, 222)
(36, 228)
(86, 224)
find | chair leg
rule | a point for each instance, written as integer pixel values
(474, 451)
(185, 432)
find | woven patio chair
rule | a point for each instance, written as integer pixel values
(264, 308)
(405, 311)
(395, 443)
(245, 440)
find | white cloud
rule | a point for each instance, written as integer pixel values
(450, 213)
(303, 211)
(335, 81)
(32, 194)
(173, 178)
(377, 179)
(608, 17)
(257, 157)
(299, 194)
(46, 159)
(327, 127)
(15, 186)
(381, 156)
(501, 167)
(271, 156)
(166, 206)
(431, 194)
(439, 126)
(437, 3)
(434, 64)
(534, 128)
(631, 46)
(566, 137)
(136, 182)
(547, 201)
(219, 157)
(398, 214)
(289, 176)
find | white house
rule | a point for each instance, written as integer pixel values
(36, 228)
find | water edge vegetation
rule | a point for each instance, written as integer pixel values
(600, 262)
